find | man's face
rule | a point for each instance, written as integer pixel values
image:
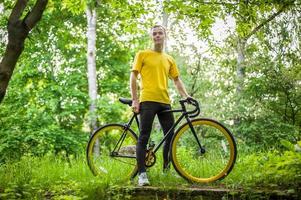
(158, 35)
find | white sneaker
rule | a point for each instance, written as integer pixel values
(142, 179)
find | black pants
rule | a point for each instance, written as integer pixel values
(148, 111)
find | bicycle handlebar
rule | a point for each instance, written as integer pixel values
(191, 114)
(195, 103)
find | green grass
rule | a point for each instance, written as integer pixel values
(55, 178)
(36, 178)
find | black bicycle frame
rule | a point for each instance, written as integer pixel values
(184, 114)
(128, 125)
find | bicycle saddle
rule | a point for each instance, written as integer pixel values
(125, 101)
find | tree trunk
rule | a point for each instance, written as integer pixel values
(240, 68)
(240, 74)
(18, 30)
(91, 60)
(165, 23)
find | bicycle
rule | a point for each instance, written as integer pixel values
(202, 150)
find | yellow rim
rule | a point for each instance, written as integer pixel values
(98, 135)
(200, 179)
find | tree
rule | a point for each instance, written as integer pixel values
(250, 17)
(18, 30)
(91, 15)
(247, 26)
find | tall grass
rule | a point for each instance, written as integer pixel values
(52, 177)
(49, 177)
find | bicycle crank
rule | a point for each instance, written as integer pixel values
(150, 158)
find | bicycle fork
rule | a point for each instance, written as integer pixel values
(202, 150)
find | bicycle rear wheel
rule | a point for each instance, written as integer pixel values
(111, 152)
(203, 167)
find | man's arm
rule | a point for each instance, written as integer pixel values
(133, 86)
(180, 87)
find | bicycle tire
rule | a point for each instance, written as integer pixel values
(220, 151)
(104, 163)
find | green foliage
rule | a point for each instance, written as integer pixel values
(289, 146)
(275, 168)
(40, 142)
(269, 104)
(75, 7)
(47, 98)
(200, 16)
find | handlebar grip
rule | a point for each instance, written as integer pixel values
(193, 102)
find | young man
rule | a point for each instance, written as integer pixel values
(154, 67)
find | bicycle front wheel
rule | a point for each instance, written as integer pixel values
(214, 161)
(111, 152)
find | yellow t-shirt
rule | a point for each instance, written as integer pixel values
(155, 68)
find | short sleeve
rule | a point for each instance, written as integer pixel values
(173, 71)
(138, 62)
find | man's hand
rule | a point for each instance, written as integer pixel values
(135, 106)
(190, 99)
